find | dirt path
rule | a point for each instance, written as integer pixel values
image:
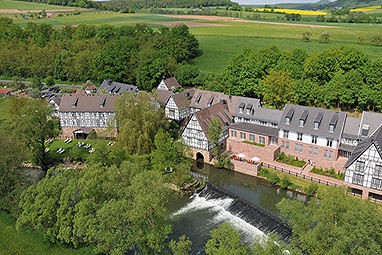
(219, 18)
(187, 23)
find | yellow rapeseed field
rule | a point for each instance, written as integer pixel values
(301, 12)
(366, 9)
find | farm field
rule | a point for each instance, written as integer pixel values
(25, 6)
(29, 242)
(367, 9)
(301, 12)
(221, 37)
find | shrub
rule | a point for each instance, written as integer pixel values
(273, 178)
(311, 190)
(285, 182)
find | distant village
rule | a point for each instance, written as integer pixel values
(252, 135)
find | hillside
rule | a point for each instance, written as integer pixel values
(327, 4)
(117, 5)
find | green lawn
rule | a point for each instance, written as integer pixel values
(29, 242)
(72, 150)
(219, 43)
(24, 6)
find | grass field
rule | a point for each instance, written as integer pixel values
(29, 242)
(25, 6)
(4, 114)
(219, 43)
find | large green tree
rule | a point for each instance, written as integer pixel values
(337, 224)
(138, 119)
(225, 240)
(279, 88)
(31, 121)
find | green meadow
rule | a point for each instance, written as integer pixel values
(25, 6)
(218, 43)
(29, 242)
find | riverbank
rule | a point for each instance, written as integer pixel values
(30, 242)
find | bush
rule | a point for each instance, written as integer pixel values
(285, 182)
(311, 190)
(273, 178)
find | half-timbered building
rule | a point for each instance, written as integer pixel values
(169, 84)
(79, 114)
(196, 133)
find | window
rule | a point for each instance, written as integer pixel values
(299, 136)
(316, 125)
(301, 148)
(251, 137)
(302, 122)
(325, 153)
(329, 142)
(287, 121)
(315, 151)
(358, 179)
(331, 128)
(310, 151)
(296, 147)
(359, 166)
(378, 170)
(274, 140)
(233, 133)
(365, 130)
(287, 145)
(330, 154)
(283, 144)
(286, 133)
(243, 135)
(314, 139)
(376, 183)
(262, 139)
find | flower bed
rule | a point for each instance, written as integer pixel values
(290, 160)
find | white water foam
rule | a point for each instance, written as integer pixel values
(220, 206)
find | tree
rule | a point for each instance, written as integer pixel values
(37, 126)
(181, 247)
(324, 37)
(214, 134)
(186, 74)
(306, 36)
(334, 225)
(169, 157)
(279, 88)
(138, 119)
(225, 240)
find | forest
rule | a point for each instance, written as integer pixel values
(132, 54)
(123, 5)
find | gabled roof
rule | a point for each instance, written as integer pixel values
(116, 87)
(351, 127)
(371, 119)
(375, 139)
(162, 96)
(218, 111)
(310, 115)
(87, 102)
(171, 83)
(183, 99)
(204, 98)
(57, 99)
(247, 105)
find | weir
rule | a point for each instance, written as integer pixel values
(249, 213)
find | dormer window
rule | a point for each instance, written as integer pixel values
(316, 125)
(210, 101)
(198, 99)
(102, 102)
(241, 108)
(249, 108)
(303, 118)
(333, 122)
(75, 102)
(317, 121)
(365, 130)
(289, 116)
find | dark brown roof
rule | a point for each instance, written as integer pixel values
(88, 102)
(171, 83)
(219, 111)
(183, 99)
(162, 96)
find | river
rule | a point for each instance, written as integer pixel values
(247, 202)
